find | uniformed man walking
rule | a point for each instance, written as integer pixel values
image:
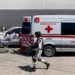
(37, 56)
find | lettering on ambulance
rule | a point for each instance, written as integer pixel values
(48, 23)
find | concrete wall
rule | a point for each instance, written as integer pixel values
(11, 18)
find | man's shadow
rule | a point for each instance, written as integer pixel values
(25, 68)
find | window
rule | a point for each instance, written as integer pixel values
(26, 28)
(68, 28)
(17, 30)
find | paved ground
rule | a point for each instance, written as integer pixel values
(16, 64)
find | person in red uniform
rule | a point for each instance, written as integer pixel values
(21, 47)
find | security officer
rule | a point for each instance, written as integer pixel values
(3, 28)
(37, 56)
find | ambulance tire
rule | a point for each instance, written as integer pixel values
(49, 51)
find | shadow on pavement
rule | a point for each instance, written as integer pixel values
(24, 54)
(64, 54)
(14, 46)
(58, 54)
(27, 68)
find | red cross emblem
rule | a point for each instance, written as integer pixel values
(48, 29)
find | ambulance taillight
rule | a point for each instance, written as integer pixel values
(25, 19)
(37, 19)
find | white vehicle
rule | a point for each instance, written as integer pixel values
(15, 30)
(58, 32)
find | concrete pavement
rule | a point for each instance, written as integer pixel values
(16, 64)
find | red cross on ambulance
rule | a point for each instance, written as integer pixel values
(48, 29)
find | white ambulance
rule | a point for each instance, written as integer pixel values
(58, 32)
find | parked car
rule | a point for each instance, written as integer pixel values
(15, 30)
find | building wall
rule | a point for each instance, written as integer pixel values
(12, 11)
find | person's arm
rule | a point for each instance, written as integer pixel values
(40, 44)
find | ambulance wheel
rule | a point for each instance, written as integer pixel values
(49, 51)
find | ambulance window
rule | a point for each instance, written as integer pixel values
(26, 27)
(68, 28)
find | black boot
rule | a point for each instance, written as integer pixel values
(33, 69)
(47, 65)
